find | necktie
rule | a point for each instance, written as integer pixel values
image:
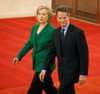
(62, 37)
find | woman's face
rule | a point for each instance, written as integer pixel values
(42, 16)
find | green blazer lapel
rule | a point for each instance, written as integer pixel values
(44, 30)
(34, 38)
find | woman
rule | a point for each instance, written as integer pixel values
(40, 40)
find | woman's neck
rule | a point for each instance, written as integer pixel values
(43, 24)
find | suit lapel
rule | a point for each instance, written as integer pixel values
(67, 37)
(59, 38)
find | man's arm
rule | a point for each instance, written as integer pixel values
(49, 59)
(83, 55)
(50, 56)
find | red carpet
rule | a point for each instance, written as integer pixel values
(16, 80)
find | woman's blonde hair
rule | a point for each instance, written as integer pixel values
(49, 12)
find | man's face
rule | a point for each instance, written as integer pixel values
(62, 18)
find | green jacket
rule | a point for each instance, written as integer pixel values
(40, 44)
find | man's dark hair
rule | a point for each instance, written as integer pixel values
(63, 9)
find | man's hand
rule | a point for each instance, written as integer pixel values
(82, 79)
(41, 76)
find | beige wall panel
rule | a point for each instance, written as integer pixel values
(20, 8)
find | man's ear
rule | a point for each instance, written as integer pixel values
(68, 14)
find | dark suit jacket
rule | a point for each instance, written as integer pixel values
(72, 58)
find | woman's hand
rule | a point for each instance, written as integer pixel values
(15, 60)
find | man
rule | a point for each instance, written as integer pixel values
(69, 45)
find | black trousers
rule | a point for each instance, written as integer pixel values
(37, 86)
(67, 89)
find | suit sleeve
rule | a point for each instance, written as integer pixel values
(50, 56)
(28, 46)
(83, 53)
